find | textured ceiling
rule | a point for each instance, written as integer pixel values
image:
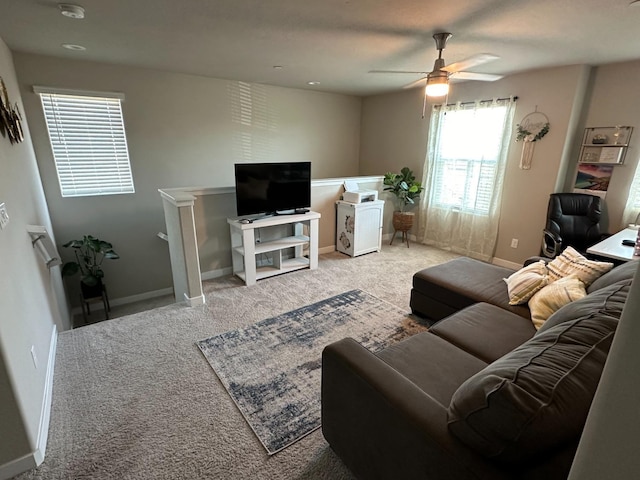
(334, 42)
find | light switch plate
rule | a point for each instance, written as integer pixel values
(4, 215)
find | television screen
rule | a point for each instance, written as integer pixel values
(272, 188)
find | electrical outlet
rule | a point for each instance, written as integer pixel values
(4, 215)
(34, 356)
(514, 243)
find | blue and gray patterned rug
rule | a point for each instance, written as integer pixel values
(272, 369)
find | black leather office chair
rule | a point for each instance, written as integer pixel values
(572, 219)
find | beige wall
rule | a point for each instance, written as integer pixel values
(614, 100)
(182, 130)
(31, 300)
(393, 135)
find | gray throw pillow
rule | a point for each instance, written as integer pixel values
(536, 397)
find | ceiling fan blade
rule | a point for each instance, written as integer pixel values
(397, 71)
(483, 77)
(470, 62)
(415, 83)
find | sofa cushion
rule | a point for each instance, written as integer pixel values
(537, 397)
(524, 283)
(625, 271)
(464, 281)
(571, 262)
(552, 297)
(433, 364)
(606, 301)
(485, 331)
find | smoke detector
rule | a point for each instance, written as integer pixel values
(71, 11)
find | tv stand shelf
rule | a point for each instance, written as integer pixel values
(280, 238)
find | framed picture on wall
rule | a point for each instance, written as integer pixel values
(593, 179)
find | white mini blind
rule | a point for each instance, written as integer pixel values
(88, 141)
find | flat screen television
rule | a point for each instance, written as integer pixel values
(273, 188)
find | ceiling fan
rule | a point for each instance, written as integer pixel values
(437, 81)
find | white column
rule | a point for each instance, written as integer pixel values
(183, 249)
(313, 243)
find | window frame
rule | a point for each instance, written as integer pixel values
(91, 158)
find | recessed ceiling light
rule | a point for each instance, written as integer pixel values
(280, 67)
(313, 82)
(71, 11)
(71, 46)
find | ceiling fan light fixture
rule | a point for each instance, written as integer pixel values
(71, 11)
(437, 84)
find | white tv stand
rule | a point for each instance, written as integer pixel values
(283, 246)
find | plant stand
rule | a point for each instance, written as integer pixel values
(402, 222)
(85, 303)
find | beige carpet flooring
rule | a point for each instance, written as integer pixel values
(133, 397)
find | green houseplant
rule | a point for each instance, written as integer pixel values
(404, 186)
(90, 252)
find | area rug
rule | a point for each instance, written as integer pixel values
(272, 369)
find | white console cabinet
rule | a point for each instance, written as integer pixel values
(273, 245)
(359, 227)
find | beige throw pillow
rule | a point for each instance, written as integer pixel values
(570, 262)
(524, 283)
(554, 296)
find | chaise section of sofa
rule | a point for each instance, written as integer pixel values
(444, 289)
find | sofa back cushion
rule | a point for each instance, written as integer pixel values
(625, 271)
(607, 301)
(536, 397)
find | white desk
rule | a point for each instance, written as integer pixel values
(612, 247)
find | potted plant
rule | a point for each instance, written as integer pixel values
(90, 252)
(404, 186)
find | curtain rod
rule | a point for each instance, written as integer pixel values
(480, 101)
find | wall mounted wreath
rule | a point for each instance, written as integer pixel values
(532, 128)
(526, 135)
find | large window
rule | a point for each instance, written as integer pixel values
(88, 140)
(466, 157)
(464, 174)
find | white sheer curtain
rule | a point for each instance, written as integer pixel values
(632, 209)
(463, 176)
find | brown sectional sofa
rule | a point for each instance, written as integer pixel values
(481, 395)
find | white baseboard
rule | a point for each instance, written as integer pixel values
(220, 272)
(506, 263)
(126, 300)
(17, 466)
(35, 458)
(193, 301)
(45, 414)
(329, 249)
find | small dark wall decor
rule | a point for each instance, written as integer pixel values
(10, 118)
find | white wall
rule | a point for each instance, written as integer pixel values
(32, 302)
(182, 130)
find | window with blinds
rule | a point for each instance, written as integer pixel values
(467, 156)
(88, 140)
